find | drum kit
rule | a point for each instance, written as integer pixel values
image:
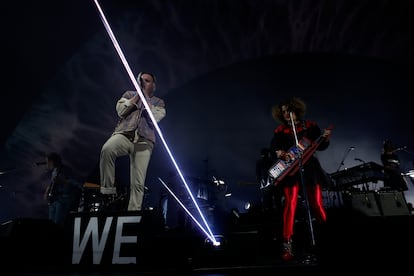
(91, 200)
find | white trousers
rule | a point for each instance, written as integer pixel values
(139, 156)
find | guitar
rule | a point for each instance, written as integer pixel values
(52, 188)
(50, 194)
(302, 151)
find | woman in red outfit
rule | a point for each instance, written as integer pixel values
(293, 110)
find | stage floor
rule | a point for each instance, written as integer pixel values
(348, 241)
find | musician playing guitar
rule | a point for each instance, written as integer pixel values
(288, 111)
(63, 192)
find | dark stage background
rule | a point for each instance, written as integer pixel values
(220, 67)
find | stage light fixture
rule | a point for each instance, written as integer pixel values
(218, 243)
(410, 173)
(219, 182)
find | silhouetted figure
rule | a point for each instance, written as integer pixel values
(63, 192)
(271, 195)
(392, 172)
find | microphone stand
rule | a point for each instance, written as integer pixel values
(305, 194)
(343, 159)
(338, 195)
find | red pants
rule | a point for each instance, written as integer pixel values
(314, 193)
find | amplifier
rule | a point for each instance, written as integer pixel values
(365, 203)
(382, 203)
(393, 203)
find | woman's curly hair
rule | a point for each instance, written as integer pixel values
(294, 104)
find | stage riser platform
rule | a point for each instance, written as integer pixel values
(93, 241)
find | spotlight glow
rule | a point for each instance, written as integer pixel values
(219, 242)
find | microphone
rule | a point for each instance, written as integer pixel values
(360, 160)
(40, 163)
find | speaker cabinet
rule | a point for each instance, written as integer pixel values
(393, 203)
(365, 203)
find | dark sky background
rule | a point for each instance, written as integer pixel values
(220, 66)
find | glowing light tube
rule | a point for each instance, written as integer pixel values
(186, 210)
